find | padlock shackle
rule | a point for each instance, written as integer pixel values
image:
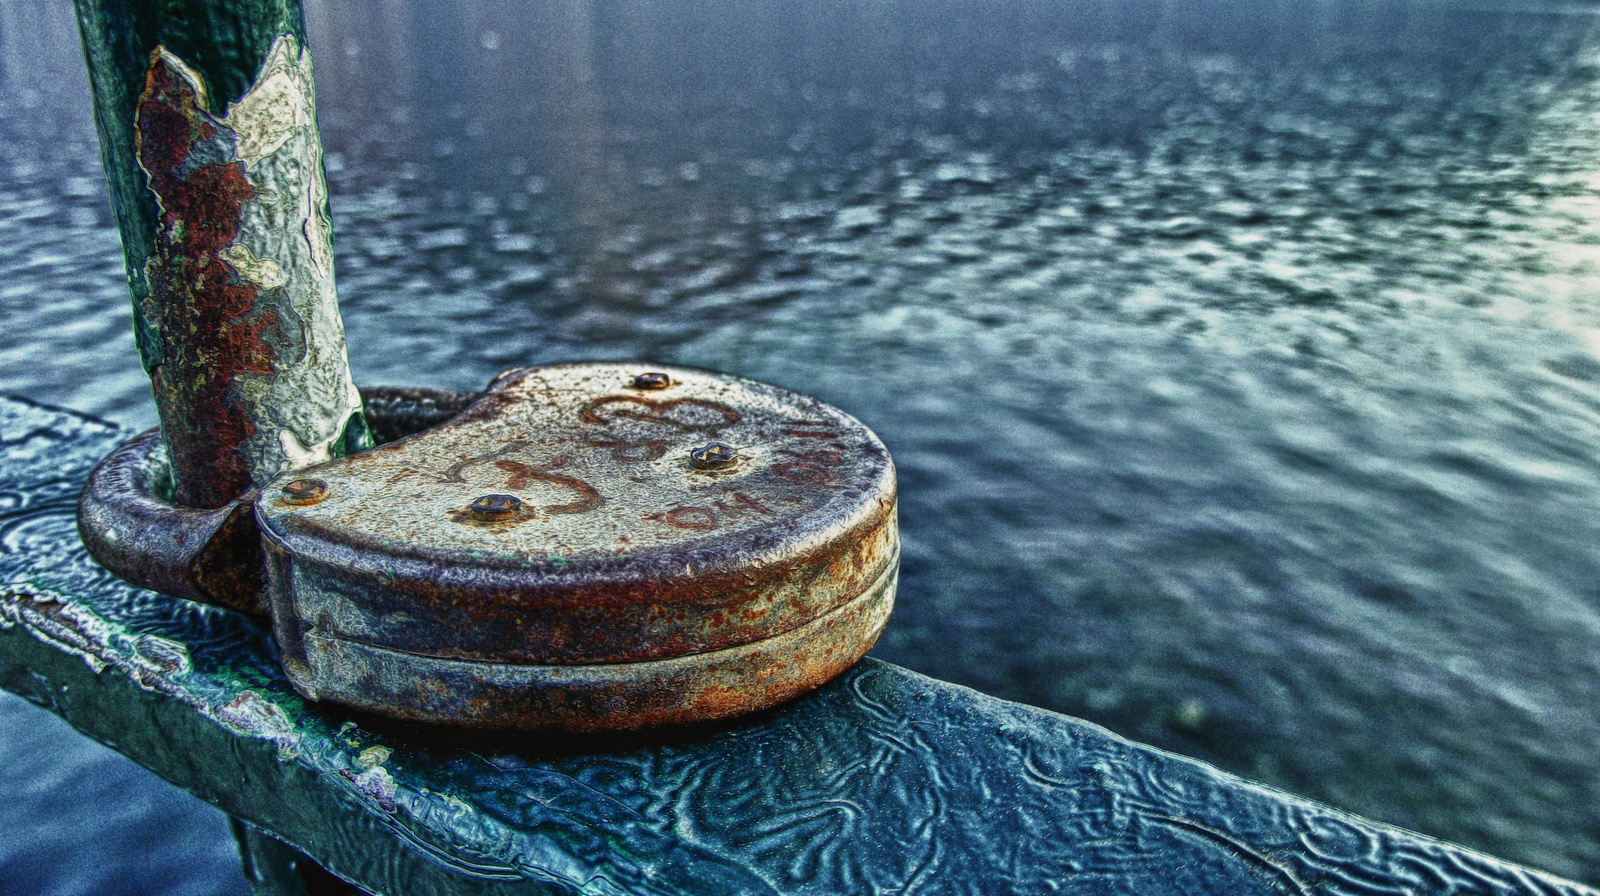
(130, 524)
(206, 113)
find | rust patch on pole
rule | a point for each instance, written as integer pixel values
(252, 379)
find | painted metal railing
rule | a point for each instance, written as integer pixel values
(882, 782)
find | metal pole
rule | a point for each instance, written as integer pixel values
(207, 123)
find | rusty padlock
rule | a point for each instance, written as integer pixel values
(580, 547)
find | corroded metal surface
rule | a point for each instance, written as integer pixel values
(578, 697)
(226, 42)
(129, 523)
(881, 782)
(562, 521)
(212, 556)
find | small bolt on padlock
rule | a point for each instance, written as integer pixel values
(495, 508)
(652, 382)
(301, 492)
(713, 456)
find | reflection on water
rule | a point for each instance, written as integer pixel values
(1239, 356)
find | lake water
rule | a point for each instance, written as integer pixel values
(1240, 358)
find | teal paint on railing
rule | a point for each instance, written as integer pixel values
(883, 781)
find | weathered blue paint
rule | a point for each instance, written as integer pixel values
(882, 782)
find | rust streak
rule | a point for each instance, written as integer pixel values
(521, 474)
(660, 412)
(194, 289)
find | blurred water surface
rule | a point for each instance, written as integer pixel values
(1239, 357)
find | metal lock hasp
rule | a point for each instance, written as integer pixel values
(586, 547)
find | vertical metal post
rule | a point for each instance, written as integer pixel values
(207, 123)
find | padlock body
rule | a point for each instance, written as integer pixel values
(634, 583)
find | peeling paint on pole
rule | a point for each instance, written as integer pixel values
(223, 210)
(243, 258)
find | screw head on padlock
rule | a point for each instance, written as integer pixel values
(714, 456)
(547, 558)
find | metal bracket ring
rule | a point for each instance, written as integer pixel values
(130, 525)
